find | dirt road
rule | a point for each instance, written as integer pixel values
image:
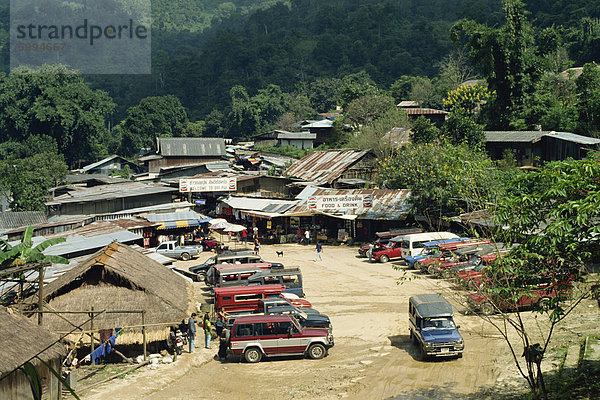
(372, 358)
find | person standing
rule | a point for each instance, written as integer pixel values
(244, 234)
(255, 232)
(256, 246)
(370, 251)
(307, 236)
(223, 342)
(192, 332)
(319, 251)
(207, 327)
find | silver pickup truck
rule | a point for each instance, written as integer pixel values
(171, 249)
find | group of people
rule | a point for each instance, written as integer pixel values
(222, 333)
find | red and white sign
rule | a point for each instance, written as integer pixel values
(208, 185)
(340, 202)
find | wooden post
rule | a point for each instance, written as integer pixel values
(41, 293)
(92, 329)
(144, 333)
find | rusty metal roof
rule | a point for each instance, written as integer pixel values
(388, 204)
(323, 167)
(424, 111)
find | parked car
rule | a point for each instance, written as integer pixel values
(306, 319)
(244, 299)
(391, 251)
(228, 257)
(413, 244)
(290, 277)
(489, 304)
(255, 337)
(432, 327)
(430, 249)
(171, 249)
(383, 238)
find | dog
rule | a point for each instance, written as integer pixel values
(279, 253)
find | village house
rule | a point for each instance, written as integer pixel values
(109, 198)
(181, 152)
(333, 168)
(301, 140)
(533, 148)
(21, 341)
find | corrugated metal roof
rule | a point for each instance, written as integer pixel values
(388, 204)
(297, 135)
(176, 216)
(513, 136)
(424, 111)
(109, 192)
(13, 220)
(573, 137)
(158, 207)
(257, 204)
(99, 163)
(325, 123)
(192, 147)
(323, 167)
(75, 245)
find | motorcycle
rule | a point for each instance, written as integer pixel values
(177, 341)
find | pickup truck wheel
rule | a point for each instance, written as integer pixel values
(185, 256)
(316, 351)
(487, 309)
(201, 276)
(431, 270)
(252, 355)
(384, 258)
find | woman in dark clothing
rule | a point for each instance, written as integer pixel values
(223, 342)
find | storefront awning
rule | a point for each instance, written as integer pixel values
(261, 214)
(179, 224)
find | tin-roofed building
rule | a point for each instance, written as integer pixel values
(532, 148)
(326, 168)
(173, 152)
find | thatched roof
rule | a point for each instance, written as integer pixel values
(119, 278)
(21, 339)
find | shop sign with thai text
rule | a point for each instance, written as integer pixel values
(207, 185)
(340, 202)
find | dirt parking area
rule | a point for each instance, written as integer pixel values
(373, 356)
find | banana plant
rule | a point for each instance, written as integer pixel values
(24, 252)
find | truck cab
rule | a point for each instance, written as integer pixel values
(432, 327)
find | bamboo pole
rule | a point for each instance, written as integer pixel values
(144, 333)
(41, 292)
(92, 329)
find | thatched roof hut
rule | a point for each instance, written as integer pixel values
(119, 278)
(20, 340)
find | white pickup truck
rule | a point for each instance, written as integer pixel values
(171, 249)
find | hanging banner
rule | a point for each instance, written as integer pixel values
(208, 185)
(340, 202)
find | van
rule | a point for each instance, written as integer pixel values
(212, 275)
(257, 336)
(414, 244)
(243, 299)
(228, 257)
(233, 275)
(432, 328)
(290, 277)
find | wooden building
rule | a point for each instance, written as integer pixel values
(178, 152)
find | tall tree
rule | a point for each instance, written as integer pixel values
(54, 101)
(506, 56)
(160, 116)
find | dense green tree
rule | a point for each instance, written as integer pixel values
(445, 180)
(270, 103)
(424, 131)
(373, 134)
(561, 202)
(460, 128)
(355, 86)
(324, 94)
(244, 117)
(366, 109)
(588, 100)
(28, 170)
(159, 116)
(506, 56)
(56, 102)
(214, 124)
